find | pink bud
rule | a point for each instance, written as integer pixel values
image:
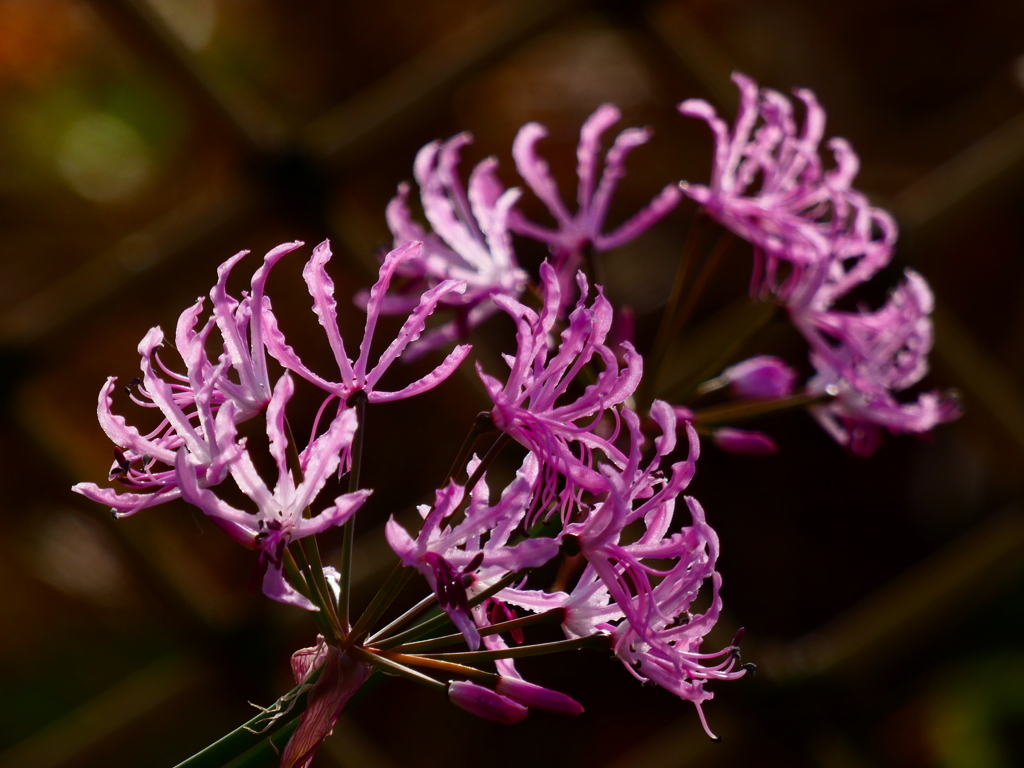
(761, 376)
(538, 697)
(485, 703)
(683, 415)
(744, 442)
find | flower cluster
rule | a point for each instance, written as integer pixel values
(815, 239)
(602, 465)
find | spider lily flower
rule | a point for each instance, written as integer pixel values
(200, 406)
(532, 407)
(474, 553)
(769, 187)
(279, 518)
(357, 375)
(868, 356)
(574, 232)
(470, 242)
(642, 591)
(339, 679)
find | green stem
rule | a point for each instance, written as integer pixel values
(443, 665)
(268, 751)
(418, 631)
(357, 400)
(486, 461)
(540, 649)
(394, 668)
(312, 552)
(555, 616)
(700, 283)
(404, 619)
(300, 576)
(250, 734)
(386, 595)
(659, 349)
(682, 390)
(481, 426)
(593, 264)
(730, 413)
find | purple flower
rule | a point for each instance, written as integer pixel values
(475, 552)
(863, 357)
(200, 407)
(339, 679)
(279, 518)
(574, 232)
(470, 242)
(641, 589)
(744, 442)
(769, 186)
(762, 376)
(485, 703)
(357, 375)
(533, 406)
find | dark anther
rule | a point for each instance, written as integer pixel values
(716, 739)
(485, 422)
(123, 465)
(478, 558)
(356, 398)
(571, 545)
(750, 667)
(113, 514)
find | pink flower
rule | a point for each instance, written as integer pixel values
(470, 242)
(475, 552)
(357, 375)
(863, 357)
(279, 517)
(761, 376)
(533, 406)
(574, 231)
(641, 589)
(769, 186)
(200, 407)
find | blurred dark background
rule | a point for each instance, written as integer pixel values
(144, 141)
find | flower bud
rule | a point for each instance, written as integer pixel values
(744, 442)
(538, 697)
(761, 376)
(485, 703)
(683, 415)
